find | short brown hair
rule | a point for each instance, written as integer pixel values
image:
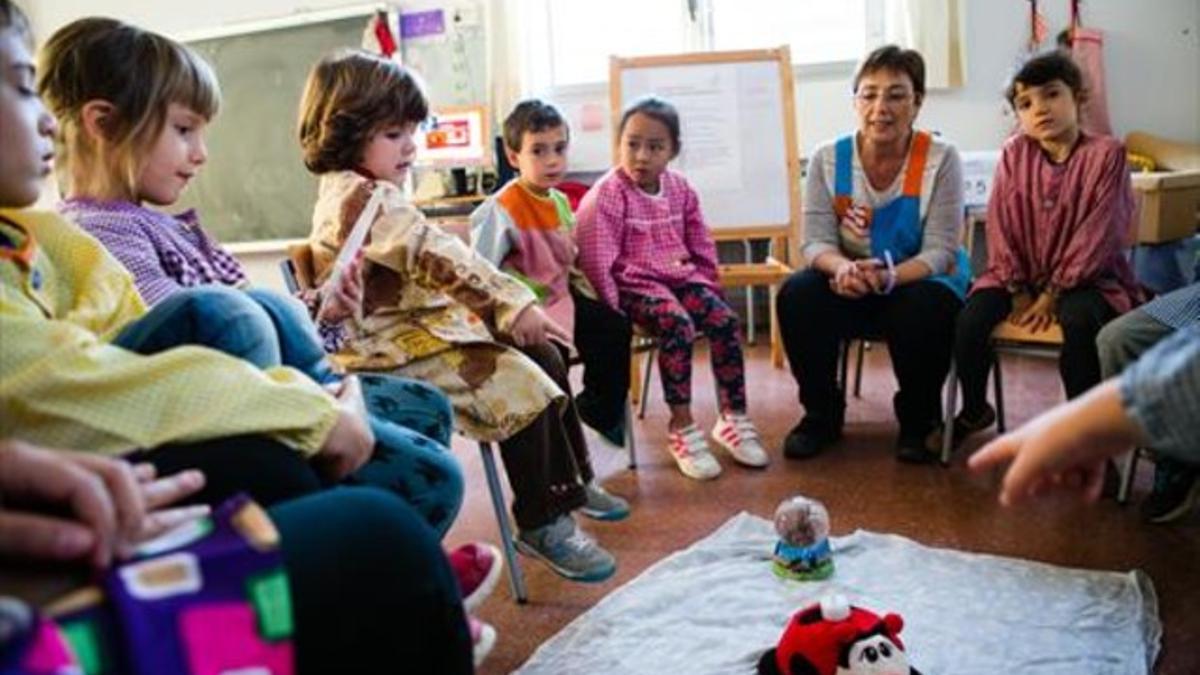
(531, 116)
(1044, 68)
(139, 72)
(890, 57)
(350, 95)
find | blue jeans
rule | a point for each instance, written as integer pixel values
(268, 329)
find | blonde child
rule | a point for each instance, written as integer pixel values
(526, 229)
(366, 575)
(135, 137)
(66, 382)
(431, 309)
(645, 248)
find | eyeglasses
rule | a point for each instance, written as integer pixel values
(891, 99)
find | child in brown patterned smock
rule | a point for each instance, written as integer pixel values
(435, 311)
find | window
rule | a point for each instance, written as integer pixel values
(569, 42)
(817, 31)
(583, 35)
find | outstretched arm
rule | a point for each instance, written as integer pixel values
(1153, 403)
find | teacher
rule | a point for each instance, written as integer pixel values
(882, 212)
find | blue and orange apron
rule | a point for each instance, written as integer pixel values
(896, 230)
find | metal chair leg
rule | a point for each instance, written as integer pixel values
(862, 347)
(1128, 472)
(750, 336)
(998, 387)
(948, 415)
(844, 368)
(646, 382)
(630, 440)
(516, 579)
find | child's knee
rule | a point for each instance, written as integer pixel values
(549, 359)
(674, 323)
(410, 403)
(279, 305)
(723, 321)
(216, 307)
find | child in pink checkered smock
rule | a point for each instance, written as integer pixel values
(645, 248)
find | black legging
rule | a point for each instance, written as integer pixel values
(1081, 312)
(371, 589)
(916, 320)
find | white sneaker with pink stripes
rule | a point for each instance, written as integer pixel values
(691, 453)
(736, 433)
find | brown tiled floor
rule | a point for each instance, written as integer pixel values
(864, 487)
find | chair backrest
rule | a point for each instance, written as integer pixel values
(301, 259)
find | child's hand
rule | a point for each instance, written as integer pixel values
(350, 444)
(1039, 316)
(67, 505)
(340, 302)
(533, 327)
(1063, 449)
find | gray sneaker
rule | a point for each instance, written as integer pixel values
(603, 505)
(568, 551)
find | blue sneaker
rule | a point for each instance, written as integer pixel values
(602, 504)
(568, 551)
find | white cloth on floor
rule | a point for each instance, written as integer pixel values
(716, 606)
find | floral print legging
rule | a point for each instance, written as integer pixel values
(674, 323)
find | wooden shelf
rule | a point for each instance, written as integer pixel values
(449, 201)
(766, 273)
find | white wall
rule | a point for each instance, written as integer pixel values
(1152, 52)
(168, 17)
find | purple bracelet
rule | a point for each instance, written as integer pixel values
(891, 273)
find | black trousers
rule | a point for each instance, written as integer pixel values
(602, 336)
(1081, 312)
(372, 591)
(547, 460)
(269, 471)
(916, 320)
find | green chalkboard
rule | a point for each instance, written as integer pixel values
(254, 185)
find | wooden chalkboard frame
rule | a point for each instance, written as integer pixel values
(778, 233)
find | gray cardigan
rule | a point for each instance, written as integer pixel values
(941, 203)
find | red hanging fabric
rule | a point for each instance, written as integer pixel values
(1087, 48)
(1037, 26)
(383, 33)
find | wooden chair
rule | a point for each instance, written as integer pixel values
(297, 271)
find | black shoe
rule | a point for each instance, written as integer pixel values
(915, 450)
(966, 424)
(613, 432)
(1176, 490)
(808, 440)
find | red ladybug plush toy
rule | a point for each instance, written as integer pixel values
(834, 638)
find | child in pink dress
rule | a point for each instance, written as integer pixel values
(645, 248)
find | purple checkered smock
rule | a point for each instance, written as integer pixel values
(163, 252)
